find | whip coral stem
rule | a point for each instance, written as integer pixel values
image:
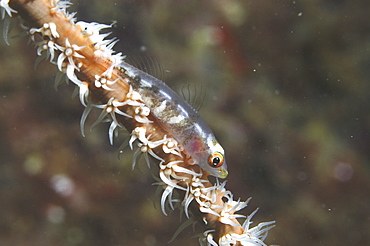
(127, 98)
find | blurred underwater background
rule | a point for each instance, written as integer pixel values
(287, 88)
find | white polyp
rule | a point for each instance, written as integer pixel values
(42, 46)
(137, 133)
(111, 109)
(83, 92)
(154, 144)
(226, 218)
(133, 95)
(179, 169)
(6, 28)
(248, 220)
(210, 239)
(187, 200)
(143, 120)
(151, 152)
(142, 150)
(165, 194)
(101, 117)
(205, 200)
(70, 17)
(197, 182)
(194, 191)
(60, 60)
(47, 30)
(136, 155)
(141, 114)
(70, 72)
(112, 131)
(4, 4)
(121, 113)
(83, 118)
(92, 30)
(174, 175)
(171, 144)
(227, 212)
(169, 165)
(145, 148)
(208, 210)
(144, 144)
(49, 47)
(226, 193)
(132, 139)
(261, 230)
(59, 79)
(169, 181)
(53, 30)
(205, 220)
(251, 236)
(60, 6)
(171, 147)
(142, 111)
(117, 58)
(102, 81)
(69, 51)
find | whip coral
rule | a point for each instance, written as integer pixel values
(127, 98)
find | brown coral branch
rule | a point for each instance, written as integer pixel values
(87, 59)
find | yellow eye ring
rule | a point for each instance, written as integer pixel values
(216, 160)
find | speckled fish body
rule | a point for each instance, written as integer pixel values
(180, 119)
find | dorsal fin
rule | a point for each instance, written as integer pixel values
(194, 94)
(149, 65)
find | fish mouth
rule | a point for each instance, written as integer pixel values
(223, 173)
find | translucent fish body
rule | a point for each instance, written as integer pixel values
(181, 120)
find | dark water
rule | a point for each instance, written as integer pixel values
(287, 96)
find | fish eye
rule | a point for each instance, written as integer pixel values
(216, 160)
